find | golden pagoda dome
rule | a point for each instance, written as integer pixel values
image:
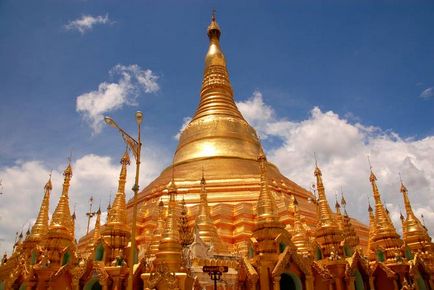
(219, 139)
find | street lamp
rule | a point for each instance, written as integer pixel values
(135, 146)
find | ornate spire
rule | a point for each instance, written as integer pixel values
(381, 217)
(156, 234)
(385, 236)
(118, 211)
(217, 127)
(339, 217)
(344, 202)
(216, 93)
(327, 234)
(125, 161)
(97, 229)
(186, 234)
(407, 204)
(62, 215)
(40, 228)
(207, 230)
(372, 230)
(350, 236)
(109, 207)
(300, 236)
(325, 213)
(266, 208)
(413, 231)
(170, 250)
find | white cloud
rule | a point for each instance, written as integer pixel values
(87, 22)
(93, 175)
(342, 148)
(108, 97)
(427, 93)
(185, 122)
(258, 113)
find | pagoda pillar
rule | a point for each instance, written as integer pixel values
(338, 271)
(309, 282)
(116, 284)
(350, 283)
(276, 282)
(371, 283)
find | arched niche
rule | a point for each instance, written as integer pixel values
(99, 252)
(348, 252)
(290, 281)
(318, 253)
(379, 255)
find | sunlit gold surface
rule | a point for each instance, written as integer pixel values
(169, 250)
(415, 235)
(117, 213)
(40, 228)
(207, 230)
(62, 217)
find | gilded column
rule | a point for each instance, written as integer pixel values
(276, 283)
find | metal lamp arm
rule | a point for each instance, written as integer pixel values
(131, 143)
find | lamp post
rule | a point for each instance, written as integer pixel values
(135, 146)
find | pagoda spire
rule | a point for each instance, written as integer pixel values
(350, 236)
(328, 234)
(117, 213)
(382, 219)
(372, 230)
(217, 128)
(156, 234)
(96, 232)
(186, 234)
(207, 230)
(62, 216)
(170, 250)
(216, 93)
(385, 236)
(339, 217)
(40, 228)
(407, 204)
(413, 231)
(97, 229)
(125, 161)
(325, 213)
(300, 236)
(266, 208)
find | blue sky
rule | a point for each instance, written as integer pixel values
(368, 64)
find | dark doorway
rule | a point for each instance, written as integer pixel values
(290, 282)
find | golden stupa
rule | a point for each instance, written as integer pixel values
(221, 142)
(221, 217)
